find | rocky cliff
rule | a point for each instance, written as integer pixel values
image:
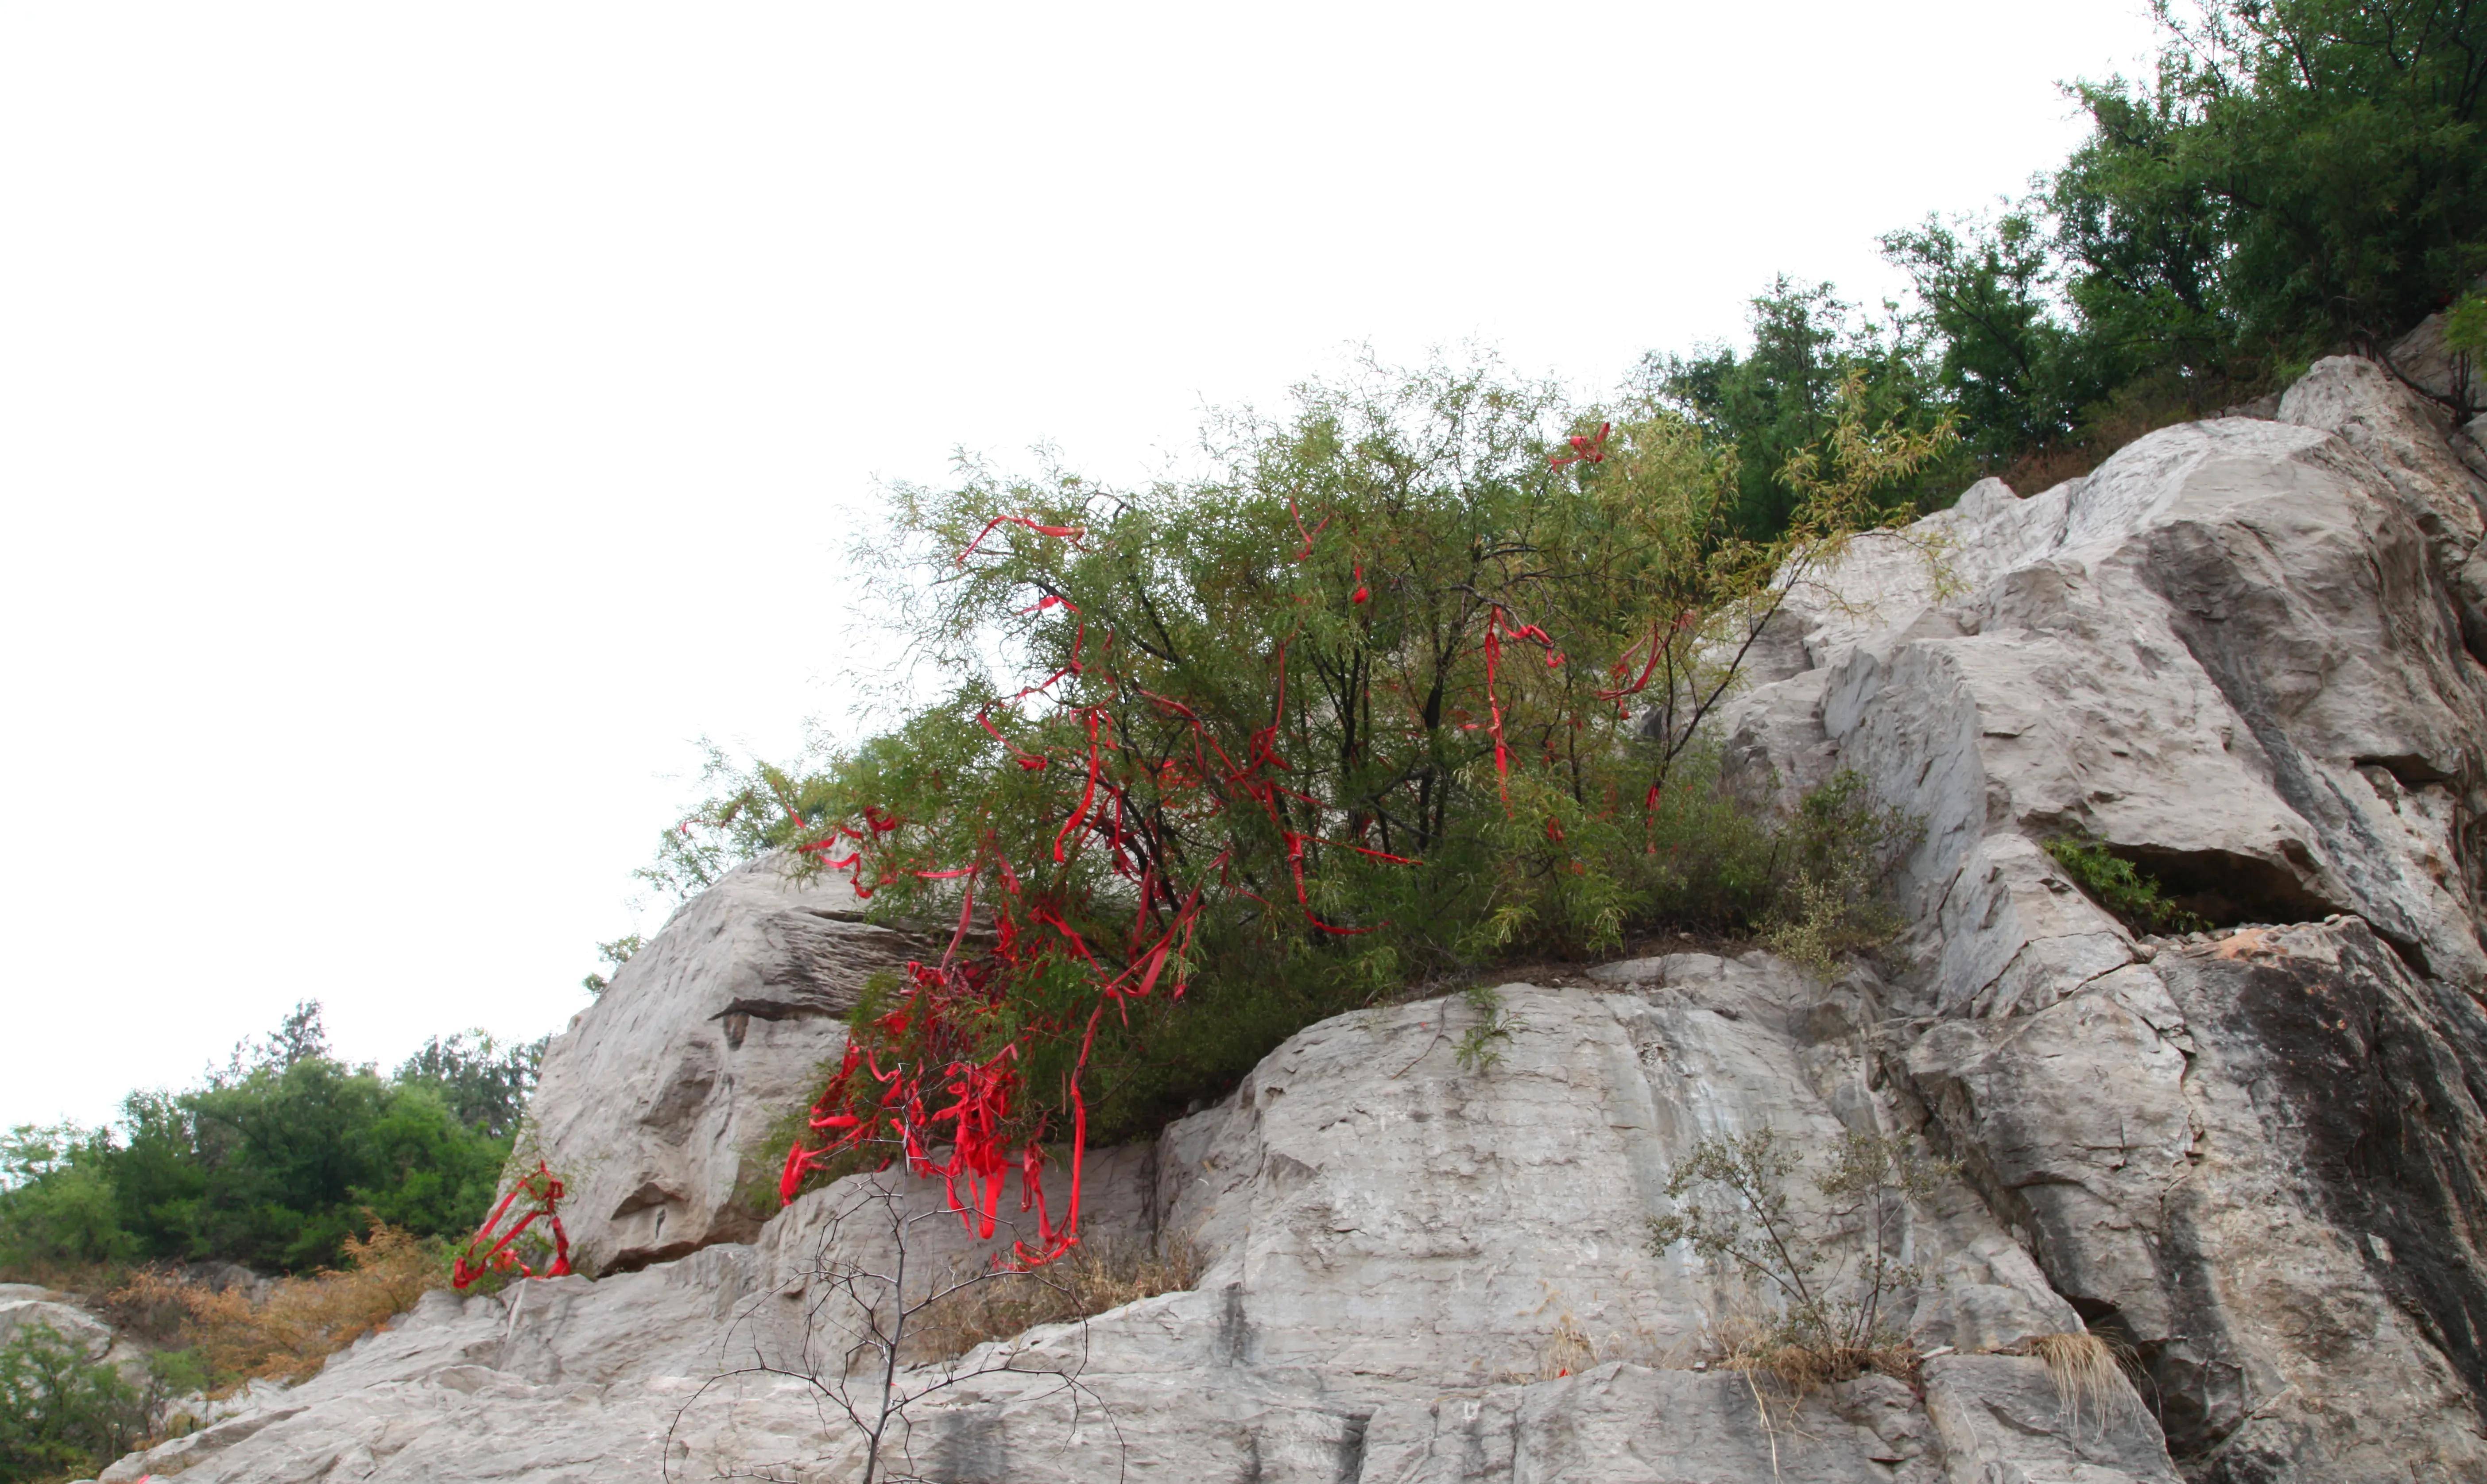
(2244, 653)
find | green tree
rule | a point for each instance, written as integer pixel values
(58, 1208)
(61, 1416)
(2016, 377)
(1781, 393)
(1415, 679)
(282, 1154)
(2300, 174)
(483, 1082)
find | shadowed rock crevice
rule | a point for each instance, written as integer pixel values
(2226, 888)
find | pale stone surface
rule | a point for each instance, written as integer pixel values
(75, 1327)
(2234, 653)
(653, 1101)
(1414, 1272)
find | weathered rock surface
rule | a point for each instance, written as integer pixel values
(27, 1307)
(652, 1102)
(2236, 655)
(1414, 1272)
(2243, 653)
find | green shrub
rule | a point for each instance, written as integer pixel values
(2123, 888)
(61, 1416)
(1827, 1270)
(1834, 859)
(1416, 683)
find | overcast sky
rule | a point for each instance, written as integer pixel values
(418, 424)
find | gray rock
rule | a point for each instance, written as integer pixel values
(2235, 652)
(653, 1102)
(81, 1331)
(2256, 1157)
(1414, 1272)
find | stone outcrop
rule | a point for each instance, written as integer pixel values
(2235, 654)
(1414, 1272)
(654, 1102)
(2243, 654)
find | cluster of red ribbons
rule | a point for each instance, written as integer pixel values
(936, 1083)
(1584, 449)
(544, 1198)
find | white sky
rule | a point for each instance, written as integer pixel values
(418, 423)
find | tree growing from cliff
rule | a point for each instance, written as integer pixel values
(1828, 1265)
(1417, 678)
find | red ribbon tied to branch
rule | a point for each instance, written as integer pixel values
(1584, 449)
(1072, 532)
(544, 1194)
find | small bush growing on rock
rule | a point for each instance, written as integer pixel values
(2123, 888)
(61, 1414)
(1835, 858)
(1829, 1269)
(1418, 678)
(1480, 1046)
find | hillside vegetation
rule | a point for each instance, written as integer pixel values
(275, 1161)
(1416, 683)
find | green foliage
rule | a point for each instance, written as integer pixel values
(1827, 1265)
(61, 1416)
(58, 1208)
(1783, 394)
(748, 810)
(1329, 597)
(615, 953)
(1834, 860)
(2123, 888)
(1480, 1046)
(2018, 378)
(275, 1162)
(484, 1083)
(2296, 178)
(2465, 324)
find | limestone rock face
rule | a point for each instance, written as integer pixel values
(1414, 1272)
(2238, 655)
(2242, 653)
(37, 1310)
(652, 1103)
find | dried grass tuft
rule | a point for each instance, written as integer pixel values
(1781, 1373)
(2087, 1373)
(290, 1332)
(1087, 1283)
(1569, 1351)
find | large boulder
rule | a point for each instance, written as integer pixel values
(2235, 654)
(656, 1103)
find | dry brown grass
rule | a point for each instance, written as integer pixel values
(1780, 1374)
(287, 1335)
(2088, 1373)
(1088, 1281)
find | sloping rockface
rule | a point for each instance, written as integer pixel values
(1414, 1272)
(2242, 653)
(654, 1101)
(2236, 655)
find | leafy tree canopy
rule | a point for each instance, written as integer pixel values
(273, 1160)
